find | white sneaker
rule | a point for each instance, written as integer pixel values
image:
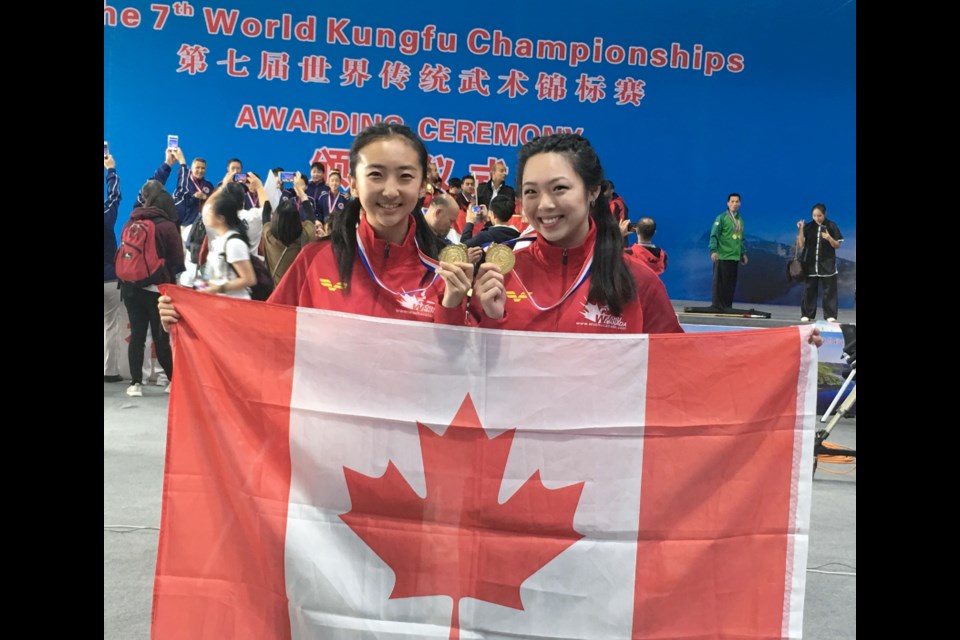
(134, 390)
(804, 319)
(831, 319)
(167, 388)
(162, 380)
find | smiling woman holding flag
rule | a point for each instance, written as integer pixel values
(573, 278)
(381, 259)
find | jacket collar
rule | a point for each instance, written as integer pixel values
(377, 249)
(549, 254)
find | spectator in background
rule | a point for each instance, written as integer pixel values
(228, 270)
(440, 216)
(234, 165)
(645, 252)
(466, 199)
(373, 263)
(305, 205)
(192, 190)
(284, 235)
(253, 192)
(819, 238)
(317, 186)
(141, 302)
(251, 198)
(467, 195)
(619, 211)
(727, 252)
(617, 206)
(453, 186)
(495, 186)
(252, 217)
(111, 292)
(497, 229)
(332, 202)
(286, 193)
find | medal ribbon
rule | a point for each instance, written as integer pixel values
(425, 260)
(736, 222)
(584, 273)
(331, 203)
(195, 184)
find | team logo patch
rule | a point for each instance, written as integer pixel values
(417, 303)
(517, 297)
(600, 316)
(338, 286)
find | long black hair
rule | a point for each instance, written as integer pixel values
(611, 282)
(286, 225)
(344, 236)
(227, 202)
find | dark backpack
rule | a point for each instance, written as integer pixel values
(198, 233)
(264, 285)
(138, 262)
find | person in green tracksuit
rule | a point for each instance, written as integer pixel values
(727, 252)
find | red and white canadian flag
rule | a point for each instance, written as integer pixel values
(335, 476)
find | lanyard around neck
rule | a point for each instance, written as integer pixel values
(425, 260)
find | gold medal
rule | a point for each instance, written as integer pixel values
(502, 256)
(454, 253)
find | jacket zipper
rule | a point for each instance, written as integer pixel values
(563, 285)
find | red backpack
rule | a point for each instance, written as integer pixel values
(137, 261)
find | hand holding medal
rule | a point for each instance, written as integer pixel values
(457, 274)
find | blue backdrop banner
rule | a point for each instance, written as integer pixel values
(685, 101)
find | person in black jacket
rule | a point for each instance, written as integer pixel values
(495, 186)
(820, 238)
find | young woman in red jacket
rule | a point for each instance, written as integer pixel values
(573, 278)
(381, 259)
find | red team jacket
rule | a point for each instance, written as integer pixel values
(644, 256)
(313, 281)
(541, 268)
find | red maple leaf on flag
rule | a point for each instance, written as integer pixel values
(459, 540)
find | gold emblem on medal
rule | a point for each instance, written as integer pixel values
(502, 256)
(454, 253)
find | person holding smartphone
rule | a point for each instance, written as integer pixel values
(491, 225)
(193, 189)
(285, 187)
(381, 259)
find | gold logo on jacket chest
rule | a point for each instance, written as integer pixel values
(333, 286)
